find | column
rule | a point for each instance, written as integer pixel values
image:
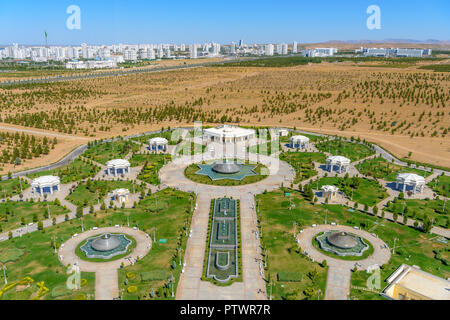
(51, 189)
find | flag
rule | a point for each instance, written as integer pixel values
(45, 34)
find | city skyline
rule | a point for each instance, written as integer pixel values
(116, 22)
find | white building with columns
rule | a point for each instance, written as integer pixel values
(229, 134)
(300, 142)
(158, 143)
(46, 185)
(117, 167)
(329, 191)
(342, 163)
(410, 182)
(121, 195)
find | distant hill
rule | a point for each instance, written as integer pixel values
(397, 43)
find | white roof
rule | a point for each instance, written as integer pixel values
(330, 188)
(229, 131)
(410, 178)
(338, 160)
(300, 138)
(46, 180)
(158, 140)
(121, 192)
(118, 163)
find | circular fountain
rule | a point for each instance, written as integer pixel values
(106, 246)
(342, 243)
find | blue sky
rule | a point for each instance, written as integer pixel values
(139, 21)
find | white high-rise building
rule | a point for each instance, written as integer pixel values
(269, 49)
(193, 51)
(294, 47)
(284, 49)
(279, 49)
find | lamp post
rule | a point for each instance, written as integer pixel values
(4, 274)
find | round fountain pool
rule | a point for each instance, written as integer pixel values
(106, 246)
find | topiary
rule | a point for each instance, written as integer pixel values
(131, 289)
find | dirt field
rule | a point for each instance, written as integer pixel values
(400, 107)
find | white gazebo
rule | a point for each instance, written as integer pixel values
(329, 191)
(158, 143)
(301, 142)
(342, 163)
(121, 195)
(411, 181)
(228, 134)
(118, 166)
(46, 184)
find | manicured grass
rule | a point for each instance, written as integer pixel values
(303, 164)
(11, 187)
(172, 136)
(365, 191)
(151, 163)
(283, 253)
(185, 148)
(381, 169)
(75, 171)
(441, 185)
(103, 152)
(172, 224)
(418, 209)
(354, 151)
(90, 192)
(413, 246)
(261, 170)
(41, 263)
(12, 213)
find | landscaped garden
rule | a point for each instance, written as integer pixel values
(352, 150)
(92, 192)
(441, 185)
(173, 137)
(303, 163)
(15, 214)
(413, 247)
(365, 191)
(186, 148)
(103, 152)
(12, 187)
(33, 255)
(151, 163)
(380, 168)
(266, 148)
(421, 209)
(75, 171)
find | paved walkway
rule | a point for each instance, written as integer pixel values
(106, 278)
(339, 272)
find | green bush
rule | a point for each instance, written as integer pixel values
(288, 276)
(132, 289)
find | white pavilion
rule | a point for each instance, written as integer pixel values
(121, 195)
(410, 182)
(329, 191)
(46, 184)
(158, 143)
(228, 134)
(341, 162)
(118, 166)
(301, 142)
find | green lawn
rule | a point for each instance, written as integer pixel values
(90, 192)
(381, 169)
(103, 152)
(260, 169)
(365, 191)
(75, 171)
(441, 185)
(265, 148)
(151, 163)
(354, 151)
(413, 246)
(172, 136)
(11, 187)
(33, 255)
(417, 209)
(303, 164)
(186, 148)
(12, 213)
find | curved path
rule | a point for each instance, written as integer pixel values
(106, 278)
(339, 271)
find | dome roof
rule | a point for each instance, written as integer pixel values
(226, 168)
(410, 178)
(46, 180)
(118, 163)
(338, 159)
(300, 138)
(158, 140)
(106, 242)
(342, 240)
(330, 188)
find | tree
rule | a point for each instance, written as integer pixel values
(40, 225)
(79, 212)
(309, 292)
(427, 224)
(375, 210)
(324, 263)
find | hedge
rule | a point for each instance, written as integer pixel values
(288, 276)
